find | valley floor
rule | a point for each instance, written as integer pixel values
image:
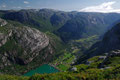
(84, 72)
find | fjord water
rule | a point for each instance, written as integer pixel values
(41, 70)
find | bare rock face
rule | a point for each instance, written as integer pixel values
(32, 41)
(21, 45)
(3, 37)
(31, 38)
(114, 53)
(2, 22)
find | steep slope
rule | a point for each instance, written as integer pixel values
(22, 47)
(67, 25)
(110, 42)
(87, 24)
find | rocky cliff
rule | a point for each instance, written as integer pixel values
(2, 22)
(22, 46)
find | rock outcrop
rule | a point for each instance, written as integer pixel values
(2, 22)
(22, 46)
(32, 41)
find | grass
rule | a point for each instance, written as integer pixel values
(62, 67)
(84, 72)
(63, 62)
(11, 77)
(94, 58)
(112, 61)
(78, 47)
(87, 39)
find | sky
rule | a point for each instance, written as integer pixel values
(104, 6)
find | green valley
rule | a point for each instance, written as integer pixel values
(47, 44)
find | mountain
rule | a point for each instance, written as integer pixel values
(44, 19)
(68, 35)
(104, 55)
(109, 43)
(87, 24)
(67, 25)
(22, 47)
(30, 38)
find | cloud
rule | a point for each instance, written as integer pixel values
(3, 6)
(25, 2)
(19, 7)
(28, 6)
(104, 8)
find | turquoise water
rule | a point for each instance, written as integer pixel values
(41, 70)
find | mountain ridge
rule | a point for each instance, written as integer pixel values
(55, 21)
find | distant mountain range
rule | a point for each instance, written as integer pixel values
(67, 25)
